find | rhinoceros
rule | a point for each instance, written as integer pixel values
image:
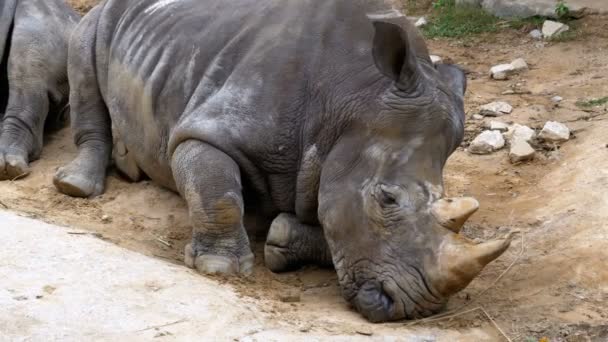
(34, 87)
(324, 118)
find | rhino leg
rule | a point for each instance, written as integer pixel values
(210, 182)
(91, 125)
(291, 244)
(27, 107)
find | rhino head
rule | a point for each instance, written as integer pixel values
(392, 234)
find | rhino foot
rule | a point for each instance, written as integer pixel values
(80, 178)
(291, 244)
(219, 264)
(13, 164)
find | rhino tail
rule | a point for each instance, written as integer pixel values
(7, 15)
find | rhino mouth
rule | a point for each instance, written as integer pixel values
(404, 295)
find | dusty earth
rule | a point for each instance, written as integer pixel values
(557, 280)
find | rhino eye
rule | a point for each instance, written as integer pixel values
(387, 195)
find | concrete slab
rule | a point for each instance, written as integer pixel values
(58, 286)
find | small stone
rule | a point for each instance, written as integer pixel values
(305, 328)
(20, 298)
(519, 65)
(498, 126)
(552, 29)
(477, 117)
(436, 59)
(557, 99)
(555, 132)
(421, 22)
(501, 71)
(106, 219)
(536, 34)
(290, 297)
(487, 142)
(520, 132)
(497, 108)
(521, 151)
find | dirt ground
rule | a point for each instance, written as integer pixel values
(557, 286)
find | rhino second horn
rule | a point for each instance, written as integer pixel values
(452, 213)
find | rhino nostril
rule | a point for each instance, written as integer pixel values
(374, 303)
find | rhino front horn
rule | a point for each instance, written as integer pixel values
(460, 260)
(452, 213)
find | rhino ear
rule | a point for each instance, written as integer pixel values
(393, 54)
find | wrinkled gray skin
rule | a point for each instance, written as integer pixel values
(314, 113)
(34, 88)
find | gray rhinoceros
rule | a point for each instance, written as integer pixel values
(34, 88)
(324, 115)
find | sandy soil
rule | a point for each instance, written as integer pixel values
(558, 284)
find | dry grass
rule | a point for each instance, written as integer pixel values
(83, 6)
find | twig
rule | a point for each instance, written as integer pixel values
(20, 176)
(3, 205)
(495, 324)
(163, 325)
(444, 316)
(164, 242)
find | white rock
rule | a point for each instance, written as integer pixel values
(498, 126)
(536, 34)
(421, 22)
(497, 108)
(501, 71)
(520, 132)
(557, 99)
(555, 132)
(436, 59)
(519, 65)
(552, 29)
(520, 151)
(487, 142)
(477, 117)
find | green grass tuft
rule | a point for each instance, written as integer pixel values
(592, 102)
(451, 21)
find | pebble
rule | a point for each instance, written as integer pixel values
(497, 108)
(487, 142)
(536, 34)
(520, 132)
(498, 126)
(552, 29)
(106, 219)
(521, 151)
(555, 132)
(436, 59)
(519, 65)
(501, 71)
(477, 117)
(421, 22)
(557, 99)
(290, 297)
